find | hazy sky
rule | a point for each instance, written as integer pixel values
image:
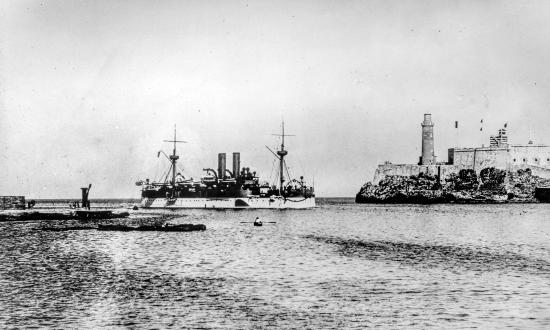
(89, 89)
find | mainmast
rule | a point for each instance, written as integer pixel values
(173, 157)
(282, 153)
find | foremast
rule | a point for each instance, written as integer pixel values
(174, 157)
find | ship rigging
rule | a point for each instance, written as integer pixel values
(224, 188)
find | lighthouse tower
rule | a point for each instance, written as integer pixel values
(428, 157)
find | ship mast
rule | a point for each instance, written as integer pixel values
(173, 157)
(282, 153)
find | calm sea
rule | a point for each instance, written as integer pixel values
(341, 265)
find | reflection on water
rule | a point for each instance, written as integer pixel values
(341, 265)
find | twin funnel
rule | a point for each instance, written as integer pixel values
(222, 165)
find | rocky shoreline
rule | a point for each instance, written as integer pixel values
(492, 185)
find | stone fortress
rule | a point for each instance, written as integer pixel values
(500, 154)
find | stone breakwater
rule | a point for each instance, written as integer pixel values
(491, 185)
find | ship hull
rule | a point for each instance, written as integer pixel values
(229, 203)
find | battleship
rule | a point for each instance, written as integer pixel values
(239, 188)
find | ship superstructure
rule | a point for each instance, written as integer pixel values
(224, 188)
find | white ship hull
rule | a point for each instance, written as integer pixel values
(229, 203)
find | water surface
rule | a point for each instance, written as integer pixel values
(341, 265)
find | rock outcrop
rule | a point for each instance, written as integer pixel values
(490, 186)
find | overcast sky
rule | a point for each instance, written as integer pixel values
(89, 89)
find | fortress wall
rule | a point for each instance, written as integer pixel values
(536, 155)
(484, 157)
(461, 157)
(413, 169)
(503, 158)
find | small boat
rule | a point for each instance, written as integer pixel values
(258, 222)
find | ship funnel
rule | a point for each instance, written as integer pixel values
(236, 164)
(221, 165)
